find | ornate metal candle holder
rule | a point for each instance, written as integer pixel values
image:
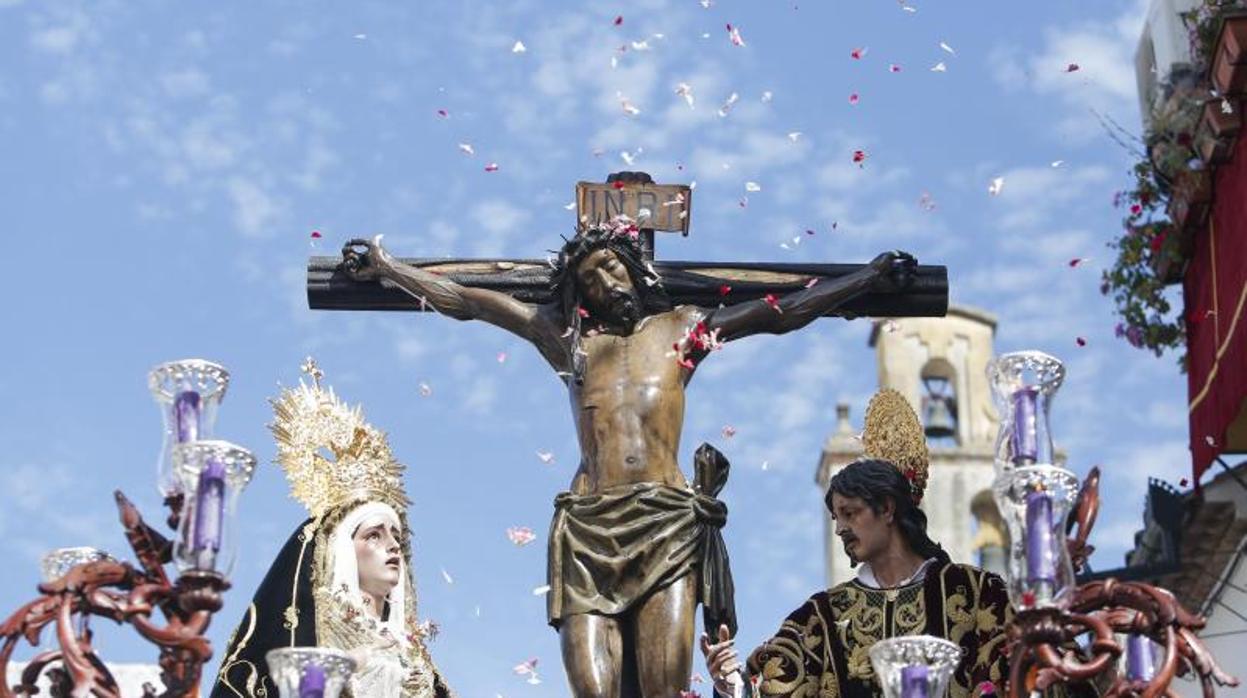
(1121, 618)
(309, 672)
(914, 666)
(81, 582)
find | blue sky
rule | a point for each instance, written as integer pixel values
(163, 168)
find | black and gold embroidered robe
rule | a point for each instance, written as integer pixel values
(821, 649)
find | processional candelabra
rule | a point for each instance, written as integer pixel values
(1128, 638)
(200, 479)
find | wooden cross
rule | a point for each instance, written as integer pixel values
(687, 283)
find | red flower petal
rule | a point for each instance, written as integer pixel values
(619, 185)
(619, 20)
(1071, 67)
(859, 156)
(1183, 482)
(1080, 341)
(724, 290)
(316, 234)
(443, 113)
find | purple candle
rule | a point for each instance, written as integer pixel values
(1040, 562)
(186, 416)
(209, 512)
(1025, 437)
(914, 681)
(312, 683)
(1140, 664)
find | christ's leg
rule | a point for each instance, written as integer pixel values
(592, 655)
(663, 633)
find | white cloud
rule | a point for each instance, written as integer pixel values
(1105, 79)
(184, 83)
(255, 210)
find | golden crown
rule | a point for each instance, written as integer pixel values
(893, 433)
(311, 422)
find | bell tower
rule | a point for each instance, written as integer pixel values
(940, 366)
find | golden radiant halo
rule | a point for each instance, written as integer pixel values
(893, 433)
(330, 454)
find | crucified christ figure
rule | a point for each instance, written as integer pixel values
(625, 577)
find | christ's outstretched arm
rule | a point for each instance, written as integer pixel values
(367, 260)
(798, 309)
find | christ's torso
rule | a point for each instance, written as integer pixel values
(630, 409)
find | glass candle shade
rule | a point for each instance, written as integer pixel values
(309, 672)
(188, 393)
(1023, 384)
(213, 474)
(56, 563)
(1034, 502)
(914, 666)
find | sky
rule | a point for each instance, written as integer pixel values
(164, 168)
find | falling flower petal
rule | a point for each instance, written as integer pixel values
(491, 167)
(467, 148)
(857, 53)
(361, 37)
(998, 183)
(812, 282)
(570, 207)
(859, 156)
(447, 577)
(947, 48)
(729, 431)
(685, 90)
(773, 301)
(1183, 482)
(527, 667)
(794, 136)
(767, 96)
(316, 235)
(1080, 341)
(546, 457)
(724, 289)
(733, 35)
(618, 20)
(727, 106)
(629, 108)
(696, 678)
(1078, 260)
(1226, 107)
(443, 113)
(939, 68)
(926, 202)
(752, 186)
(425, 390)
(519, 47)
(894, 68)
(1210, 441)
(521, 535)
(543, 589)
(890, 326)
(1057, 163)
(987, 688)
(1071, 67)
(854, 99)
(502, 357)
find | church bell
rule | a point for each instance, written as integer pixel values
(939, 409)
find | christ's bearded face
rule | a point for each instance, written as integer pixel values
(607, 288)
(378, 555)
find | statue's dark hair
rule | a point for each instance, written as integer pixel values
(627, 248)
(875, 481)
(566, 287)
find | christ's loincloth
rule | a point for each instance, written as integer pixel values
(610, 550)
